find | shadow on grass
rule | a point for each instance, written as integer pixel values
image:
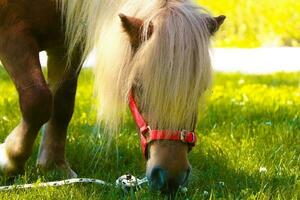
(213, 176)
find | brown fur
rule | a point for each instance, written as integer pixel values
(26, 28)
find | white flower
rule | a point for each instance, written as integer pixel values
(263, 170)
(183, 189)
(269, 123)
(205, 193)
(221, 183)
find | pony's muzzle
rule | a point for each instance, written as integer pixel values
(160, 180)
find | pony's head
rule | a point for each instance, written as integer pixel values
(159, 51)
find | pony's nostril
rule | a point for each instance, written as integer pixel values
(157, 178)
(160, 181)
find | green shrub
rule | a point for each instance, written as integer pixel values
(252, 23)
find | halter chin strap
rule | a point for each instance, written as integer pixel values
(148, 135)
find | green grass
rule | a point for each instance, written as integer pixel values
(252, 23)
(250, 122)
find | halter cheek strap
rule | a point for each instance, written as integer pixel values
(147, 135)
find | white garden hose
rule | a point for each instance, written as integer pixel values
(125, 182)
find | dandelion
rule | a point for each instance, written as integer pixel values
(263, 170)
(245, 98)
(5, 119)
(241, 81)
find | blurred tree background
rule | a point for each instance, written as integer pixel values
(252, 23)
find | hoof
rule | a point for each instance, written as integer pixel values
(62, 171)
(7, 166)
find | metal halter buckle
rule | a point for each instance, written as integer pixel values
(184, 134)
(145, 129)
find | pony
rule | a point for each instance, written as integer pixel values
(155, 50)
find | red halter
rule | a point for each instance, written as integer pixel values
(147, 135)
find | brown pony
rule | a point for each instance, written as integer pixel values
(161, 53)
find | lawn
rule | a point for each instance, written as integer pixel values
(249, 136)
(252, 23)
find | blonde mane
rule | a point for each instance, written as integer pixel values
(172, 66)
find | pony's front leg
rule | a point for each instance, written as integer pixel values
(63, 84)
(19, 54)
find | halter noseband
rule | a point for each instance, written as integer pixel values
(148, 135)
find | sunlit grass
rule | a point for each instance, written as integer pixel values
(248, 148)
(254, 23)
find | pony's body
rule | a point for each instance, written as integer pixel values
(161, 52)
(26, 28)
(40, 18)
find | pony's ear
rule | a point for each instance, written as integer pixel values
(134, 29)
(215, 23)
